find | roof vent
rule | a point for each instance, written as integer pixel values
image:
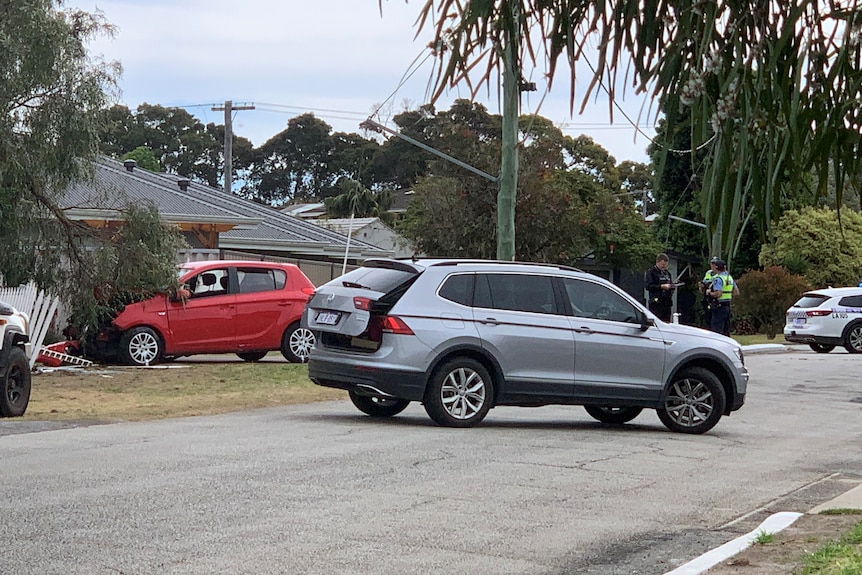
(183, 183)
(130, 165)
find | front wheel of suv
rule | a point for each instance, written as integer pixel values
(15, 385)
(616, 415)
(853, 338)
(378, 406)
(694, 402)
(459, 393)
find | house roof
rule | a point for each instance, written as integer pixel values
(305, 210)
(243, 224)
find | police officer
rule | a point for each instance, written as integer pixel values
(722, 291)
(705, 287)
(660, 286)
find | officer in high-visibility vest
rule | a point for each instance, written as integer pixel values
(705, 287)
(722, 292)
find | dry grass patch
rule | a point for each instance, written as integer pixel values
(172, 390)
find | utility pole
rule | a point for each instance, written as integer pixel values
(509, 152)
(228, 140)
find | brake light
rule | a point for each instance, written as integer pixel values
(818, 312)
(362, 303)
(396, 325)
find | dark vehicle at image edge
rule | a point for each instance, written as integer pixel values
(463, 336)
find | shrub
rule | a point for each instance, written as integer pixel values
(764, 297)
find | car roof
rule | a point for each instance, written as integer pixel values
(473, 264)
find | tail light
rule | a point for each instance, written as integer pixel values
(309, 291)
(818, 312)
(381, 324)
(362, 303)
(396, 325)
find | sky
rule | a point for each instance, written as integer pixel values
(339, 59)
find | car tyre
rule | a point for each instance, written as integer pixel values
(616, 415)
(296, 343)
(459, 393)
(821, 347)
(16, 385)
(694, 402)
(251, 355)
(378, 406)
(853, 338)
(140, 346)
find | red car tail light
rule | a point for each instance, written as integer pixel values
(818, 312)
(362, 303)
(396, 325)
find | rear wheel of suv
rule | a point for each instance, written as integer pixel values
(15, 389)
(821, 347)
(694, 402)
(378, 406)
(613, 414)
(459, 393)
(296, 343)
(251, 355)
(140, 346)
(853, 338)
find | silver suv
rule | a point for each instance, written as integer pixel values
(463, 336)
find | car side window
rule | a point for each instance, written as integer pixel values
(595, 301)
(458, 288)
(515, 292)
(252, 280)
(208, 283)
(851, 301)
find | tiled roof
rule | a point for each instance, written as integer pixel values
(257, 227)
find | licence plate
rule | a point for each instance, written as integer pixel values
(327, 317)
(799, 321)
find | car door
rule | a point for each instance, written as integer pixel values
(205, 323)
(522, 324)
(615, 358)
(264, 302)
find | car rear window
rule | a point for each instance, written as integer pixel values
(383, 280)
(810, 300)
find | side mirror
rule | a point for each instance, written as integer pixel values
(646, 322)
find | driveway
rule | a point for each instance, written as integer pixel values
(322, 489)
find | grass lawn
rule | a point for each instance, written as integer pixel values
(757, 339)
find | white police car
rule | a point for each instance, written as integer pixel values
(826, 318)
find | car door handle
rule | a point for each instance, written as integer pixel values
(585, 329)
(489, 321)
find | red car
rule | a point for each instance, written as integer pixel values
(243, 307)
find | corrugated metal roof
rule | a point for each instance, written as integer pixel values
(342, 225)
(257, 226)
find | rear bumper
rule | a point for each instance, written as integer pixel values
(794, 336)
(367, 379)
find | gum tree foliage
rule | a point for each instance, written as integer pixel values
(569, 205)
(182, 144)
(130, 262)
(811, 242)
(305, 161)
(772, 88)
(51, 94)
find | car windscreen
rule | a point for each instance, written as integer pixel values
(810, 300)
(382, 280)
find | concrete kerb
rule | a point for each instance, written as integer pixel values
(776, 522)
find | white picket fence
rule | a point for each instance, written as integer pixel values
(39, 306)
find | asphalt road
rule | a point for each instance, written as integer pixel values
(322, 489)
